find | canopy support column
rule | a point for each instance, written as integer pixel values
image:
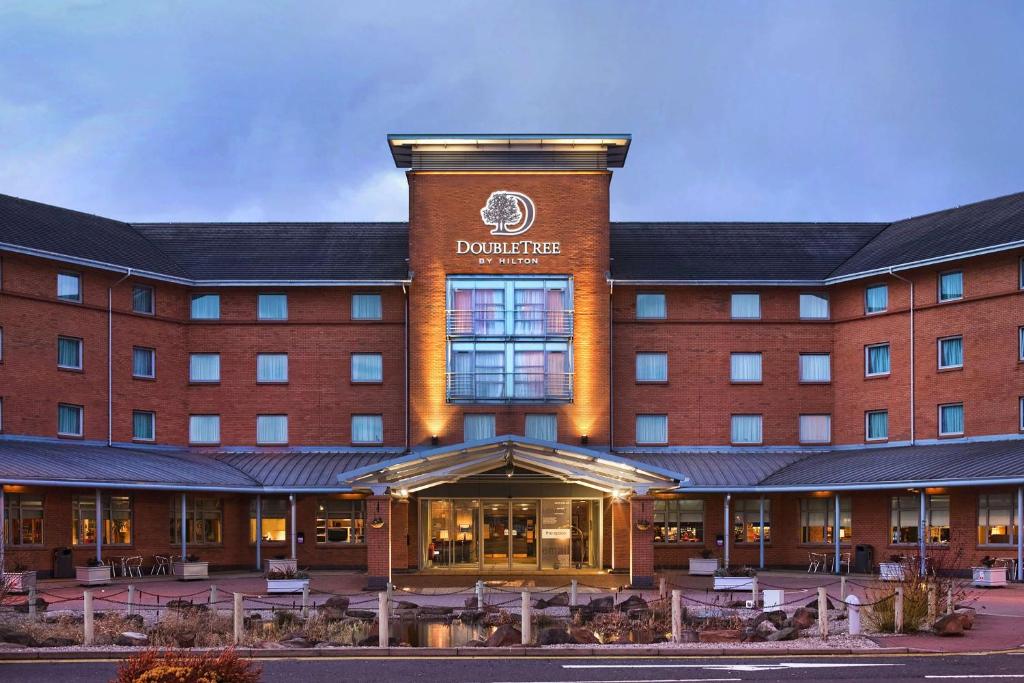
(835, 533)
(291, 500)
(922, 530)
(725, 531)
(1020, 533)
(99, 526)
(760, 535)
(184, 526)
(259, 532)
(3, 524)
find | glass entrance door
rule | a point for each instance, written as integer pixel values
(466, 533)
(524, 535)
(496, 534)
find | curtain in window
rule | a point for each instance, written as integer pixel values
(462, 315)
(878, 359)
(204, 367)
(815, 428)
(814, 306)
(951, 286)
(204, 429)
(142, 362)
(476, 427)
(543, 427)
(557, 316)
(529, 312)
(951, 419)
(206, 306)
(651, 367)
(69, 420)
(558, 380)
(876, 298)
(69, 352)
(529, 374)
(271, 429)
(952, 352)
(746, 429)
(878, 425)
(273, 306)
(490, 374)
(746, 367)
(746, 305)
(272, 367)
(652, 429)
(815, 367)
(68, 287)
(366, 307)
(367, 367)
(650, 305)
(489, 312)
(142, 425)
(142, 300)
(367, 429)
(461, 382)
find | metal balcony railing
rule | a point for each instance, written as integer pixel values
(510, 323)
(507, 387)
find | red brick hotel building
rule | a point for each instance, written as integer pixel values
(510, 382)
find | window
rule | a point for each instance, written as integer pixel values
(340, 521)
(143, 425)
(815, 428)
(905, 514)
(204, 520)
(876, 360)
(206, 306)
(367, 367)
(1021, 420)
(142, 299)
(951, 353)
(366, 307)
(272, 306)
(876, 425)
(204, 367)
(116, 515)
(69, 353)
(746, 306)
(746, 429)
(204, 429)
(368, 429)
(143, 362)
(745, 367)
(650, 305)
(271, 429)
(818, 517)
(476, 426)
(951, 286)
(69, 420)
(543, 427)
(998, 521)
(876, 298)
(814, 306)
(652, 429)
(652, 367)
(951, 419)
(815, 367)
(1020, 343)
(746, 520)
(272, 367)
(679, 520)
(69, 287)
(274, 514)
(23, 519)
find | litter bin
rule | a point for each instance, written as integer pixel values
(63, 564)
(864, 559)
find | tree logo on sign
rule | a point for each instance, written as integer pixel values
(511, 213)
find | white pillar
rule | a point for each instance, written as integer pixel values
(922, 530)
(99, 526)
(291, 499)
(835, 534)
(526, 623)
(760, 540)
(853, 610)
(383, 620)
(259, 532)
(238, 617)
(677, 616)
(3, 523)
(184, 527)
(1020, 533)
(88, 626)
(725, 531)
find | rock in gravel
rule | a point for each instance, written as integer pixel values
(601, 605)
(335, 607)
(373, 641)
(966, 615)
(297, 642)
(406, 605)
(774, 618)
(583, 636)
(505, 636)
(55, 641)
(813, 604)
(721, 636)
(788, 633)
(555, 636)
(558, 600)
(475, 642)
(362, 614)
(949, 625)
(752, 636)
(22, 607)
(132, 638)
(804, 617)
(632, 602)
(13, 634)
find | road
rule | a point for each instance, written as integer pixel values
(993, 667)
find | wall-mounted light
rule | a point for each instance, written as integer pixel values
(584, 440)
(434, 440)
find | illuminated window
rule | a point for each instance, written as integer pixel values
(904, 516)
(117, 520)
(746, 520)
(275, 520)
(204, 520)
(818, 517)
(998, 519)
(340, 521)
(23, 519)
(679, 521)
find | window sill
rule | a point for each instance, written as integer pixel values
(949, 301)
(743, 382)
(655, 382)
(367, 443)
(745, 444)
(815, 443)
(144, 379)
(879, 375)
(134, 440)
(148, 314)
(952, 368)
(70, 436)
(276, 444)
(870, 313)
(677, 544)
(911, 546)
(808, 382)
(362, 382)
(958, 435)
(68, 301)
(271, 383)
(202, 383)
(271, 320)
(885, 440)
(212, 444)
(78, 371)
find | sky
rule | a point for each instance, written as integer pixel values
(252, 111)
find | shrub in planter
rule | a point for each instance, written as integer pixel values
(736, 571)
(153, 666)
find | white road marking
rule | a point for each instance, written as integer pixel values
(965, 676)
(639, 680)
(773, 666)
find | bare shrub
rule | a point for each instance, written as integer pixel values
(153, 666)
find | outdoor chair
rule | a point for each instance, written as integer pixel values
(814, 561)
(844, 561)
(161, 565)
(132, 566)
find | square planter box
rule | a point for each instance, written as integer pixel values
(890, 571)
(93, 576)
(988, 577)
(286, 585)
(190, 571)
(19, 582)
(734, 583)
(703, 567)
(280, 566)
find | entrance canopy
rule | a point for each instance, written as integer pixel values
(571, 464)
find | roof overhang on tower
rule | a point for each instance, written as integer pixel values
(572, 464)
(509, 151)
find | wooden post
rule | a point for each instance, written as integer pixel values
(90, 629)
(213, 596)
(949, 600)
(933, 604)
(131, 600)
(822, 612)
(32, 603)
(753, 590)
(677, 616)
(573, 588)
(527, 622)
(898, 610)
(480, 594)
(842, 589)
(383, 620)
(662, 592)
(305, 601)
(239, 617)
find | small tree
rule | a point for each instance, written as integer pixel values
(502, 210)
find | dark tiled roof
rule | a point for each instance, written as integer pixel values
(723, 468)
(314, 470)
(734, 251)
(284, 251)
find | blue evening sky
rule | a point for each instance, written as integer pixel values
(262, 110)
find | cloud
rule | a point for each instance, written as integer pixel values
(383, 196)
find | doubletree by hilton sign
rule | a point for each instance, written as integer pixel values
(511, 214)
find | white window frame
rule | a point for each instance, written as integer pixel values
(760, 367)
(259, 314)
(272, 442)
(938, 349)
(661, 354)
(732, 306)
(352, 431)
(78, 278)
(870, 287)
(867, 422)
(352, 304)
(261, 380)
(800, 430)
(352, 368)
(800, 368)
(650, 443)
(81, 352)
(203, 415)
(963, 413)
(81, 419)
(1020, 343)
(152, 357)
(1020, 415)
(867, 362)
(664, 306)
(760, 429)
(191, 302)
(938, 285)
(192, 380)
(152, 300)
(152, 417)
(820, 295)
(529, 417)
